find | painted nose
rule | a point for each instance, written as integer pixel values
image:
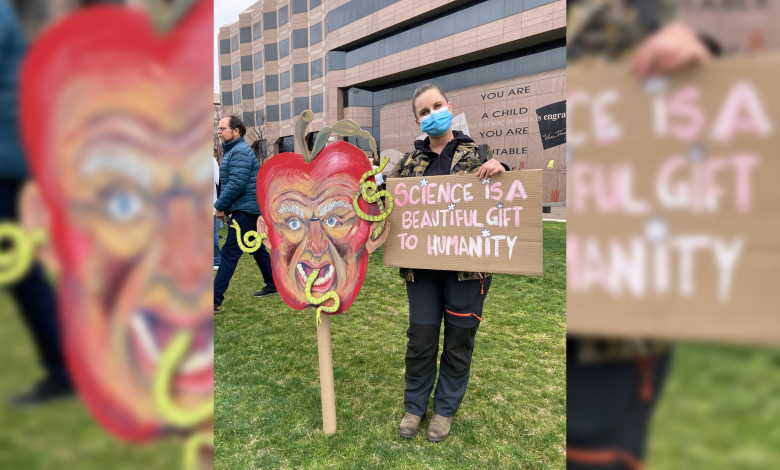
(316, 242)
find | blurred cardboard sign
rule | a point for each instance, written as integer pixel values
(673, 214)
(462, 223)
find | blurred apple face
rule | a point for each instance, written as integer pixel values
(135, 174)
(316, 227)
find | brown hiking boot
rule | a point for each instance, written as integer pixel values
(439, 428)
(410, 425)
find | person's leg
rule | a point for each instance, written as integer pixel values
(263, 260)
(425, 313)
(38, 307)
(229, 257)
(463, 314)
(216, 242)
(609, 406)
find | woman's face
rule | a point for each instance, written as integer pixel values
(430, 100)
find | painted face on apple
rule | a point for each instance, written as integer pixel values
(312, 224)
(126, 176)
(318, 228)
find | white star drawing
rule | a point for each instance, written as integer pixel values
(485, 180)
(486, 233)
(451, 207)
(423, 182)
(500, 205)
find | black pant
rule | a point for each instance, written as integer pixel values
(608, 410)
(34, 296)
(231, 252)
(432, 296)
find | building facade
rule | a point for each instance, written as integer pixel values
(498, 62)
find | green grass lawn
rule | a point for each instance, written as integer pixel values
(267, 394)
(720, 410)
(61, 435)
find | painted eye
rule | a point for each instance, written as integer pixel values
(294, 224)
(332, 221)
(123, 205)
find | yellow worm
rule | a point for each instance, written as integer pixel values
(163, 380)
(193, 445)
(317, 301)
(369, 192)
(249, 245)
(15, 263)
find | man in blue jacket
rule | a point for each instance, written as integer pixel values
(238, 197)
(32, 293)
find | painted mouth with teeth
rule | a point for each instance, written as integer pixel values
(326, 279)
(150, 335)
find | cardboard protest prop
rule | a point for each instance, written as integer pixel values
(462, 223)
(673, 222)
(322, 218)
(116, 121)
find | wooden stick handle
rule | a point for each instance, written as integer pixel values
(326, 376)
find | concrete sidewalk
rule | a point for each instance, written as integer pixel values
(556, 213)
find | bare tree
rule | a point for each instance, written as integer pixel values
(256, 133)
(217, 144)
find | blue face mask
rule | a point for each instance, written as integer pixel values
(436, 123)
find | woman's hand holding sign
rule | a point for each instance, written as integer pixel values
(489, 168)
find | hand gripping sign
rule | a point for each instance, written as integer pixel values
(116, 121)
(322, 218)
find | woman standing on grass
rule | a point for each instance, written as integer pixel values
(455, 297)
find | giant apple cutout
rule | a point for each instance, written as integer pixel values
(116, 120)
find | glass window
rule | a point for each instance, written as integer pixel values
(227, 98)
(529, 4)
(287, 144)
(300, 73)
(316, 103)
(272, 113)
(314, 3)
(496, 9)
(258, 89)
(247, 92)
(300, 38)
(260, 117)
(284, 79)
(472, 17)
(269, 20)
(234, 43)
(483, 16)
(258, 59)
(249, 118)
(316, 33)
(246, 63)
(506, 69)
(272, 83)
(257, 30)
(224, 46)
(426, 35)
(284, 48)
(300, 105)
(270, 52)
(245, 34)
(300, 6)
(316, 69)
(447, 25)
(284, 15)
(236, 70)
(337, 60)
(224, 72)
(414, 39)
(236, 96)
(286, 111)
(458, 22)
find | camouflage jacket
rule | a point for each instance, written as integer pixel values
(465, 160)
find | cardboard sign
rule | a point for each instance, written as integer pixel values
(462, 223)
(673, 216)
(552, 124)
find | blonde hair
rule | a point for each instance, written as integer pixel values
(422, 89)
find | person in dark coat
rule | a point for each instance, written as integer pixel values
(238, 198)
(33, 294)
